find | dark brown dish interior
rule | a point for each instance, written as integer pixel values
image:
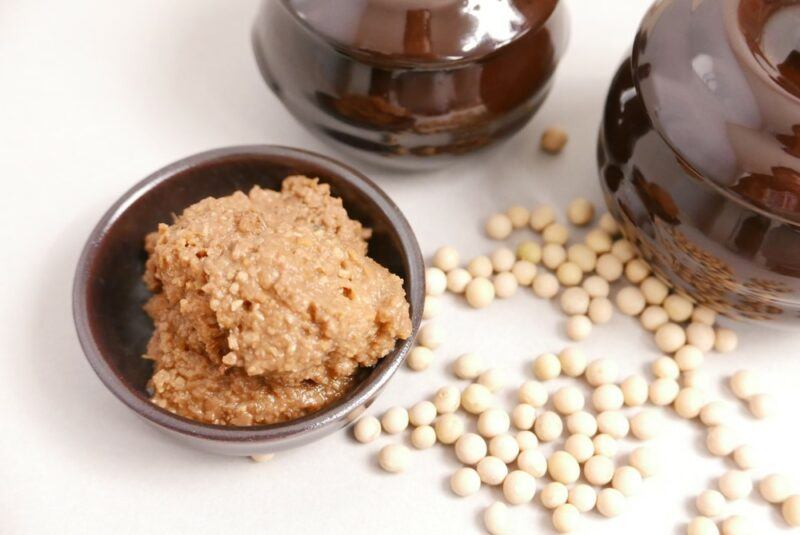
(110, 293)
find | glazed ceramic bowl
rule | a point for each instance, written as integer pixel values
(411, 84)
(108, 293)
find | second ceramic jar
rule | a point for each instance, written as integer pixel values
(411, 83)
(700, 152)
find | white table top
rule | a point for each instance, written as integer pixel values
(98, 94)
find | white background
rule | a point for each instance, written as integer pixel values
(96, 95)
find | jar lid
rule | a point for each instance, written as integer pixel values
(421, 32)
(720, 80)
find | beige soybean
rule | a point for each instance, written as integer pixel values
(495, 519)
(582, 256)
(613, 423)
(395, 420)
(700, 336)
(468, 366)
(568, 400)
(611, 503)
(715, 413)
(627, 480)
(736, 525)
(678, 308)
(598, 241)
(583, 497)
(420, 358)
(746, 384)
(569, 274)
(702, 526)
(533, 393)
(494, 379)
(666, 367)
(775, 488)
(735, 484)
(608, 224)
(423, 437)
(457, 280)
(582, 423)
(608, 397)
(449, 428)
(498, 226)
(663, 391)
(721, 441)
(524, 271)
(432, 307)
(646, 425)
(502, 259)
(446, 258)
(702, 314)
(653, 317)
(504, 447)
(480, 266)
(563, 468)
(533, 461)
(367, 429)
(480, 292)
(523, 416)
(423, 413)
(654, 290)
(579, 446)
(762, 405)
(689, 358)
(746, 457)
(605, 445)
(447, 399)
(548, 426)
(601, 371)
(580, 211)
(596, 286)
(470, 448)
(710, 503)
(725, 340)
(578, 328)
(624, 250)
(637, 270)
(394, 458)
(527, 440)
(599, 470)
(492, 470)
(431, 335)
(609, 267)
(435, 281)
(600, 310)
(545, 285)
(554, 494)
(465, 482)
(519, 216)
(553, 255)
(791, 511)
(505, 285)
(493, 422)
(630, 301)
(635, 391)
(689, 402)
(541, 216)
(670, 337)
(574, 301)
(645, 460)
(519, 487)
(546, 366)
(573, 361)
(476, 398)
(555, 233)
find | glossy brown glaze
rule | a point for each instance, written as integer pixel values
(109, 293)
(698, 152)
(410, 83)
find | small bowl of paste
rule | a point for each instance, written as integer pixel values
(249, 299)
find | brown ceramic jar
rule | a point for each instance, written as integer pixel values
(699, 152)
(411, 83)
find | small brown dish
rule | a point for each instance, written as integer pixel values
(109, 293)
